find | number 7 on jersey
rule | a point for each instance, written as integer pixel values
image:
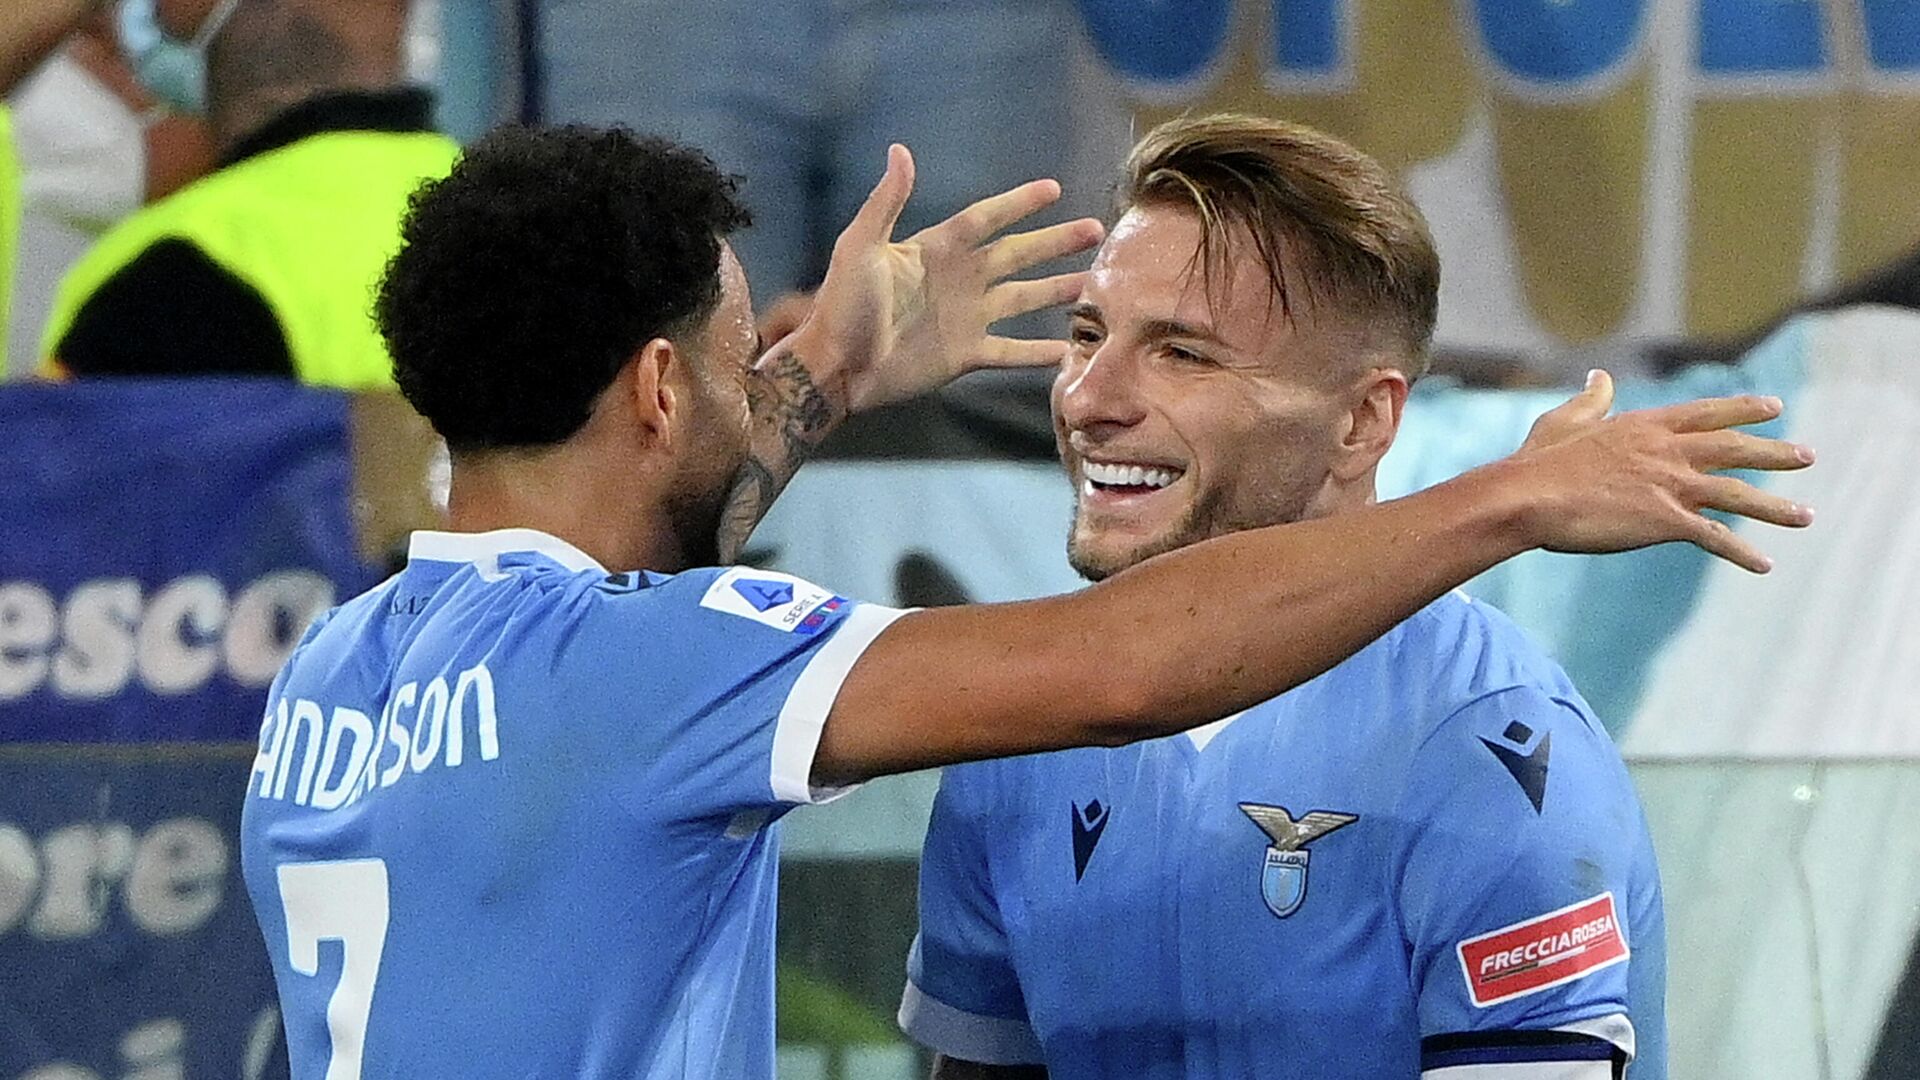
(346, 901)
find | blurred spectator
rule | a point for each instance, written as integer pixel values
(9, 226)
(160, 147)
(267, 265)
(29, 31)
(803, 96)
(93, 145)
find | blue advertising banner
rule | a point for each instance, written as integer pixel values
(127, 946)
(163, 546)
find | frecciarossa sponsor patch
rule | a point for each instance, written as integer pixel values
(1555, 948)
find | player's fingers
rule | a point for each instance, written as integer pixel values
(1021, 251)
(874, 222)
(1739, 497)
(1713, 414)
(1001, 352)
(1019, 297)
(976, 223)
(1717, 539)
(1591, 403)
(1574, 415)
(1594, 400)
(1710, 451)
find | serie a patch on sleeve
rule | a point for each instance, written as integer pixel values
(1553, 949)
(771, 598)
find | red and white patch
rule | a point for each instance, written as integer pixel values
(1555, 948)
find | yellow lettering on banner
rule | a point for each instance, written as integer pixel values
(1573, 171)
(1749, 208)
(1406, 102)
(1879, 198)
(1574, 178)
(1413, 102)
(1241, 88)
(1408, 97)
(1575, 162)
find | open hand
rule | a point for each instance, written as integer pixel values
(1644, 477)
(906, 318)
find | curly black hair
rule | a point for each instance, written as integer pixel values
(529, 275)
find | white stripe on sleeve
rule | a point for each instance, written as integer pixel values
(796, 734)
(984, 1040)
(1613, 1027)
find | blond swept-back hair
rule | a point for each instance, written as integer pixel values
(1362, 246)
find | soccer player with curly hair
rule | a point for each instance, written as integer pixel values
(514, 812)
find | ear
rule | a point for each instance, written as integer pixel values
(653, 371)
(1372, 424)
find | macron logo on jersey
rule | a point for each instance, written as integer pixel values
(1531, 956)
(770, 598)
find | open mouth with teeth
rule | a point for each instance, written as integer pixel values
(1119, 478)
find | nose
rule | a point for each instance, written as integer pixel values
(1099, 393)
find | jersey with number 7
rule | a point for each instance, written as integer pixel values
(512, 816)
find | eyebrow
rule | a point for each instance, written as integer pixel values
(1152, 329)
(1161, 329)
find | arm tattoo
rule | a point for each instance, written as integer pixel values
(791, 417)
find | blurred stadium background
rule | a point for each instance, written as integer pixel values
(1702, 195)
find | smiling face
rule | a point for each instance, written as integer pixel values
(1188, 409)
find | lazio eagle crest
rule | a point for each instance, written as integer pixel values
(1283, 880)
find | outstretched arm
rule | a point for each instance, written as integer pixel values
(896, 320)
(1220, 626)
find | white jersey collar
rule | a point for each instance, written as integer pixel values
(483, 550)
(1204, 734)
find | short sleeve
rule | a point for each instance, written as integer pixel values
(962, 997)
(1515, 887)
(722, 680)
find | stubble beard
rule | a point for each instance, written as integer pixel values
(1204, 519)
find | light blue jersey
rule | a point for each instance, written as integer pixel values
(1428, 861)
(513, 816)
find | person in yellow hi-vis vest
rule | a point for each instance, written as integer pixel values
(30, 30)
(9, 227)
(267, 265)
